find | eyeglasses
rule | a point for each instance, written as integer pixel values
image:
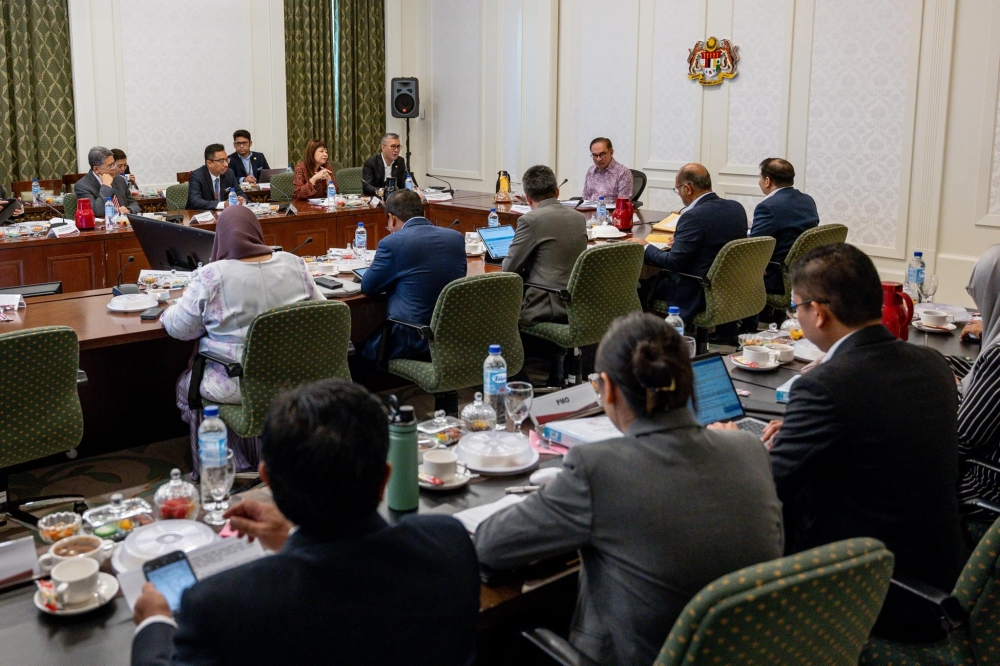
(394, 146)
(224, 159)
(241, 143)
(599, 156)
(793, 307)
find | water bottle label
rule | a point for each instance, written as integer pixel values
(212, 449)
(494, 382)
(915, 275)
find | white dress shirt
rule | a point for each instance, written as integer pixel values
(836, 345)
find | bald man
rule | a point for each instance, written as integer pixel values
(706, 224)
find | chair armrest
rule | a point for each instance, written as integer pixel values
(424, 330)
(81, 378)
(704, 282)
(233, 368)
(983, 464)
(979, 503)
(636, 204)
(350, 349)
(383, 344)
(776, 263)
(557, 647)
(563, 294)
(949, 611)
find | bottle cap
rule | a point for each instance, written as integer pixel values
(361, 224)
(918, 253)
(493, 210)
(494, 349)
(211, 410)
(405, 416)
(600, 198)
(674, 310)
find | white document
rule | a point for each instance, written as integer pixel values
(59, 229)
(519, 208)
(207, 216)
(11, 302)
(205, 561)
(18, 561)
(472, 518)
(438, 197)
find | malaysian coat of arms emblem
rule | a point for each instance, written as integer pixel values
(713, 60)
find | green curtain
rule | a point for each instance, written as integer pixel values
(37, 132)
(360, 62)
(309, 74)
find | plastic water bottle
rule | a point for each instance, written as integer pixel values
(674, 320)
(602, 211)
(409, 181)
(331, 191)
(360, 240)
(915, 276)
(495, 384)
(288, 169)
(233, 199)
(494, 219)
(36, 191)
(213, 448)
(110, 214)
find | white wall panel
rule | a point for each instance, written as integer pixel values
(511, 66)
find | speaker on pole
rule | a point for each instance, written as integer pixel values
(405, 98)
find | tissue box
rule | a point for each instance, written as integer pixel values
(783, 392)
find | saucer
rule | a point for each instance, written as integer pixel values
(607, 235)
(947, 328)
(131, 303)
(459, 481)
(740, 363)
(107, 588)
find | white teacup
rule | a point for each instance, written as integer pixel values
(75, 580)
(161, 295)
(326, 267)
(758, 355)
(441, 463)
(934, 317)
(77, 547)
(785, 353)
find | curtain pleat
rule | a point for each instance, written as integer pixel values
(309, 74)
(360, 26)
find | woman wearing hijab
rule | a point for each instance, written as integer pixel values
(979, 411)
(245, 277)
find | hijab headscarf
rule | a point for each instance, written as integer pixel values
(238, 235)
(984, 287)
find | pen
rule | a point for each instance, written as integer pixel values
(520, 490)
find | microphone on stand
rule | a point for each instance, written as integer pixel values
(60, 213)
(453, 224)
(450, 189)
(565, 180)
(119, 289)
(305, 242)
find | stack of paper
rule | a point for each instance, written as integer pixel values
(667, 224)
(472, 518)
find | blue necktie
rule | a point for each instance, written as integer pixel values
(216, 181)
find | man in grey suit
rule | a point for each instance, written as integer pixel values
(656, 514)
(101, 183)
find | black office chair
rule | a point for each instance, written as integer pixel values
(638, 185)
(40, 289)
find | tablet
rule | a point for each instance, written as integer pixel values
(359, 273)
(497, 240)
(8, 209)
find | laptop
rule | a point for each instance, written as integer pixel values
(497, 241)
(716, 398)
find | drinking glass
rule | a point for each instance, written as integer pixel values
(929, 288)
(692, 345)
(218, 481)
(517, 400)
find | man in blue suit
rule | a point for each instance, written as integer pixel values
(343, 587)
(245, 163)
(412, 266)
(706, 224)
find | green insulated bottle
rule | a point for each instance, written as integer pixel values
(403, 492)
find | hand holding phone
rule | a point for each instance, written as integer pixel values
(171, 574)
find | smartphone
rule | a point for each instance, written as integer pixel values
(151, 314)
(171, 574)
(329, 283)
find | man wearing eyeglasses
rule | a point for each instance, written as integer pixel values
(102, 183)
(208, 186)
(385, 165)
(245, 163)
(607, 178)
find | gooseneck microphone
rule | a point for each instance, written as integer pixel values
(305, 242)
(120, 289)
(450, 189)
(453, 224)
(565, 180)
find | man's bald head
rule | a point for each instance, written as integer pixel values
(691, 182)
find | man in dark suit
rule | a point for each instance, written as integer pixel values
(869, 444)
(345, 587)
(101, 183)
(209, 185)
(412, 266)
(386, 164)
(245, 163)
(707, 223)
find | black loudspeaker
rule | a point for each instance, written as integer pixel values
(405, 98)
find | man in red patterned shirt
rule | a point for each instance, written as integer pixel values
(607, 177)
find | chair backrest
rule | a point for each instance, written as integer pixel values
(814, 607)
(737, 282)
(69, 206)
(638, 183)
(349, 180)
(978, 591)
(334, 166)
(471, 314)
(287, 346)
(282, 186)
(809, 240)
(183, 176)
(177, 196)
(602, 287)
(22, 188)
(41, 414)
(70, 179)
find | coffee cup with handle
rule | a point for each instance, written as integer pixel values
(441, 463)
(759, 355)
(76, 547)
(75, 581)
(785, 352)
(934, 318)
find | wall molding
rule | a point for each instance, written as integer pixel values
(987, 131)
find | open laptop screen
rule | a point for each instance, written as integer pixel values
(497, 240)
(714, 393)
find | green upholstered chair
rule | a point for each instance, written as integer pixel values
(973, 617)
(285, 346)
(177, 196)
(41, 414)
(335, 166)
(349, 180)
(282, 186)
(69, 206)
(602, 287)
(814, 607)
(825, 234)
(471, 314)
(734, 285)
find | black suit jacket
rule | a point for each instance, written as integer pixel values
(257, 163)
(373, 171)
(783, 216)
(869, 447)
(201, 195)
(701, 232)
(365, 594)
